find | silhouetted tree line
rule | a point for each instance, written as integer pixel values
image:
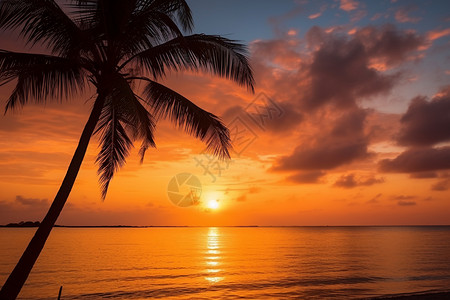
(24, 224)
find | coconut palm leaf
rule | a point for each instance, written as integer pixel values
(195, 121)
(41, 21)
(172, 7)
(124, 120)
(40, 77)
(114, 141)
(147, 29)
(199, 52)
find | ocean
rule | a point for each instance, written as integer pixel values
(232, 262)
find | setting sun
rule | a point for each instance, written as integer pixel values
(213, 204)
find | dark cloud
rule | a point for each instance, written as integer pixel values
(32, 201)
(418, 160)
(388, 44)
(340, 69)
(406, 203)
(382, 126)
(343, 144)
(423, 175)
(307, 177)
(403, 197)
(349, 125)
(288, 120)
(340, 75)
(426, 122)
(344, 70)
(442, 185)
(323, 156)
(350, 181)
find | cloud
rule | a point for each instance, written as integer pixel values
(306, 177)
(315, 16)
(292, 32)
(323, 156)
(23, 209)
(344, 143)
(343, 67)
(32, 201)
(390, 46)
(406, 203)
(348, 5)
(442, 185)
(438, 33)
(351, 181)
(424, 175)
(351, 67)
(280, 120)
(403, 197)
(241, 198)
(375, 199)
(245, 192)
(418, 160)
(402, 15)
(289, 118)
(327, 125)
(254, 190)
(278, 21)
(426, 123)
(279, 51)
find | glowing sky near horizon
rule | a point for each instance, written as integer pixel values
(359, 133)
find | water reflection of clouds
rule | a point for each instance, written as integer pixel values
(212, 257)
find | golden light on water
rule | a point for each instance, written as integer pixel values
(212, 257)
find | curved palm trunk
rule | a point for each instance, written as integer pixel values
(19, 275)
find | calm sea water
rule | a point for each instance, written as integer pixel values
(232, 263)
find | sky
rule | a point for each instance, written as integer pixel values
(349, 125)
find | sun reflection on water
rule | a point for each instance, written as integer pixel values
(212, 257)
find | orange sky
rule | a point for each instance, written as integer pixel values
(342, 146)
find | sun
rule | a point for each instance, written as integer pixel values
(213, 204)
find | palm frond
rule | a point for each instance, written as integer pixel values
(171, 7)
(139, 122)
(115, 144)
(39, 77)
(167, 103)
(220, 56)
(123, 120)
(147, 29)
(41, 21)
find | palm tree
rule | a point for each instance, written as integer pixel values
(106, 46)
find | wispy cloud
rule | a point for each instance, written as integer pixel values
(438, 33)
(348, 5)
(403, 14)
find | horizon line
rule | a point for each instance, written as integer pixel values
(15, 225)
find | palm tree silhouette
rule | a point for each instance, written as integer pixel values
(106, 46)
